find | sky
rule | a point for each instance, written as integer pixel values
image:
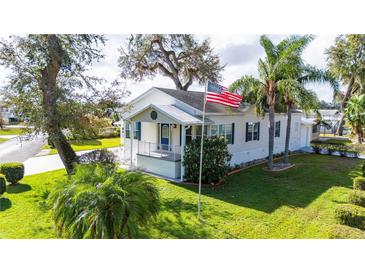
(239, 52)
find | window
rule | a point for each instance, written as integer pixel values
(277, 129)
(252, 131)
(137, 131)
(127, 132)
(214, 130)
(314, 128)
(188, 135)
(226, 131)
(198, 131)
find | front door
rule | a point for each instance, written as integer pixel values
(165, 136)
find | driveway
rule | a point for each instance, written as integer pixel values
(41, 164)
(21, 148)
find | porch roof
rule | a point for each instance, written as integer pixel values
(174, 113)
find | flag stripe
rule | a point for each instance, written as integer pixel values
(223, 103)
(220, 94)
(236, 96)
(214, 98)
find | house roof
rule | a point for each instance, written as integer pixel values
(196, 99)
(173, 112)
(329, 112)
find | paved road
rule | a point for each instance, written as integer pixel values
(15, 150)
(41, 164)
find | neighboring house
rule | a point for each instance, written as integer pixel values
(162, 121)
(331, 117)
(7, 115)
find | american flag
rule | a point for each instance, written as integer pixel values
(220, 94)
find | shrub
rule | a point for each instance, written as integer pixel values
(102, 156)
(100, 202)
(359, 183)
(215, 160)
(351, 215)
(13, 172)
(357, 197)
(345, 232)
(2, 184)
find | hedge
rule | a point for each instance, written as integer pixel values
(331, 148)
(351, 215)
(359, 183)
(215, 161)
(2, 184)
(13, 172)
(345, 232)
(357, 197)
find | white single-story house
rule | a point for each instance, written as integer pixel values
(7, 114)
(162, 121)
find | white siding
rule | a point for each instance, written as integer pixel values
(241, 150)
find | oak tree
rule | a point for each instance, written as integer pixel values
(181, 57)
(50, 86)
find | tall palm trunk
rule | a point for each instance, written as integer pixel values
(287, 137)
(360, 133)
(271, 136)
(344, 104)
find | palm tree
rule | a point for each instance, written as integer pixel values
(346, 61)
(100, 202)
(281, 62)
(295, 94)
(355, 115)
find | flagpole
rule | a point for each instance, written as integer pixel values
(201, 150)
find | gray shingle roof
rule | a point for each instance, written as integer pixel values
(196, 98)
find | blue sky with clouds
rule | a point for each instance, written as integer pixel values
(238, 52)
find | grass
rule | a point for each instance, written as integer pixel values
(297, 203)
(12, 131)
(80, 145)
(2, 140)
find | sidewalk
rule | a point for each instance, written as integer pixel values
(42, 164)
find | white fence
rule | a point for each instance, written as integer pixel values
(167, 152)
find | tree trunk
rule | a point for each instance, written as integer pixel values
(359, 133)
(49, 90)
(287, 137)
(271, 136)
(343, 106)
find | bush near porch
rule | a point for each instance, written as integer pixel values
(297, 203)
(215, 161)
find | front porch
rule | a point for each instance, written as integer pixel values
(155, 137)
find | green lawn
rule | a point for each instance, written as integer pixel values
(2, 140)
(80, 145)
(12, 131)
(297, 203)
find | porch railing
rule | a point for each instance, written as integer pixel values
(167, 152)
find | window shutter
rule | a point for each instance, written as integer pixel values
(180, 134)
(232, 133)
(246, 132)
(258, 131)
(139, 128)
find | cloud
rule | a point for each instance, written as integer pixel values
(239, 51)
(240, 54)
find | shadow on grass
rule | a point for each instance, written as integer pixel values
(5, 204)
(92, 142)
(297, 187)
(178, 219)
(18, 188)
